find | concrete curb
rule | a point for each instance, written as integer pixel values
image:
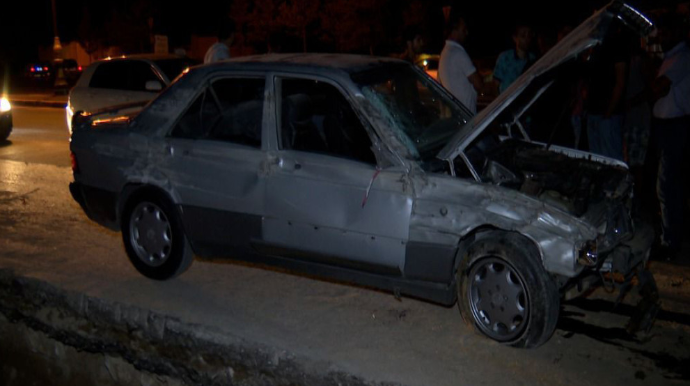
(156, 343)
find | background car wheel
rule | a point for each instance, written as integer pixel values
(154, 239)
(505, 293)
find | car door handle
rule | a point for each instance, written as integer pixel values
(298, 166)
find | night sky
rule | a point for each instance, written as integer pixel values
(27, 24)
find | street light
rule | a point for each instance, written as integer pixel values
(60, 81)
(57, 47)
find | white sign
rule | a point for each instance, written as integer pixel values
(160, 44)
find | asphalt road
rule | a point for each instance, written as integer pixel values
(39, 136)
(370, 334)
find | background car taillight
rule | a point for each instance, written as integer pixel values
(75, 164)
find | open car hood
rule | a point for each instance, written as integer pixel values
(587, 35)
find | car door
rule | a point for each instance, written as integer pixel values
(213, 159)
(326, 200)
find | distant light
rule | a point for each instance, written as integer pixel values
(45, 68)
(79, 68)
(426, 63)
(33, 69)
(5, 105)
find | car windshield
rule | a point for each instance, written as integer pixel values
(173, 67)
(421, 115)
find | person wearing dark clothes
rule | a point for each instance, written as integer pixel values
(414, 44)
(513, 62)
(605, 99)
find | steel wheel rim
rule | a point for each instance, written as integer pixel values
(498, 299)
(150, 234)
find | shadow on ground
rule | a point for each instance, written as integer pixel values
(672, 367)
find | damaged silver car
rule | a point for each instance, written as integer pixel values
(366, 170)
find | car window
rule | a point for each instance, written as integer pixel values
(241, 103)
(69, 63)
(130, 75)
(139, 74)
(419, 113)
(228, 110)
(113, 75)
(316, 117)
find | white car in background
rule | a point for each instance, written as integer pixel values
(133, 79)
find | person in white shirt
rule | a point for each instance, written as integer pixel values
(221, 49)
(455, 69)
(671, 126)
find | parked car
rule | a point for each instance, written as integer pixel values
(5, 118)
(39, 72)
(5, 106)
(72, 70)
(134, 79)
(366, 170)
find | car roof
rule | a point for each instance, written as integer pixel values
(344, 62)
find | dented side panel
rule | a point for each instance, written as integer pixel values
(337, 207)
(447, 209)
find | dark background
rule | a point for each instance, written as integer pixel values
(26, 25)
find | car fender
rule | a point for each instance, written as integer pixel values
(448, 210)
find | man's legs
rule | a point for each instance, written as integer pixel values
(672, 135)
(606, 135)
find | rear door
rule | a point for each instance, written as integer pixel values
(213, 158)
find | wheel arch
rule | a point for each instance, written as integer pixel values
(135, 189)
(487, 230)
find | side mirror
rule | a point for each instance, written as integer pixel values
(153, 85)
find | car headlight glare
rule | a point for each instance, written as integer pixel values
(5, 105)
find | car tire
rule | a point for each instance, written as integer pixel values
(154, 238)
(505, 293)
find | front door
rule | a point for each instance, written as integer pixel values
(326, 199)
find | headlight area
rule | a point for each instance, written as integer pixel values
(5, 105)
(69, 113)
(588, 254)
(619, 257)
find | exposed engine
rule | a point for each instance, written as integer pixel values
(574, 185)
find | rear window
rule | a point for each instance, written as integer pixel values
(112, 75)
(130, 75)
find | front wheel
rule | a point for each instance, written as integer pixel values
(505, 293)
(154, 239)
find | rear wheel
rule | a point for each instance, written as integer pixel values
(505, 293)
(154, 239)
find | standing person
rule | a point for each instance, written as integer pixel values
(455, 69)
(637, 122)
(414, 44)
(606, 97)
(221, 49)
(513, 62)
(671, 123)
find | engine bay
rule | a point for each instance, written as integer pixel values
(569, 183)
